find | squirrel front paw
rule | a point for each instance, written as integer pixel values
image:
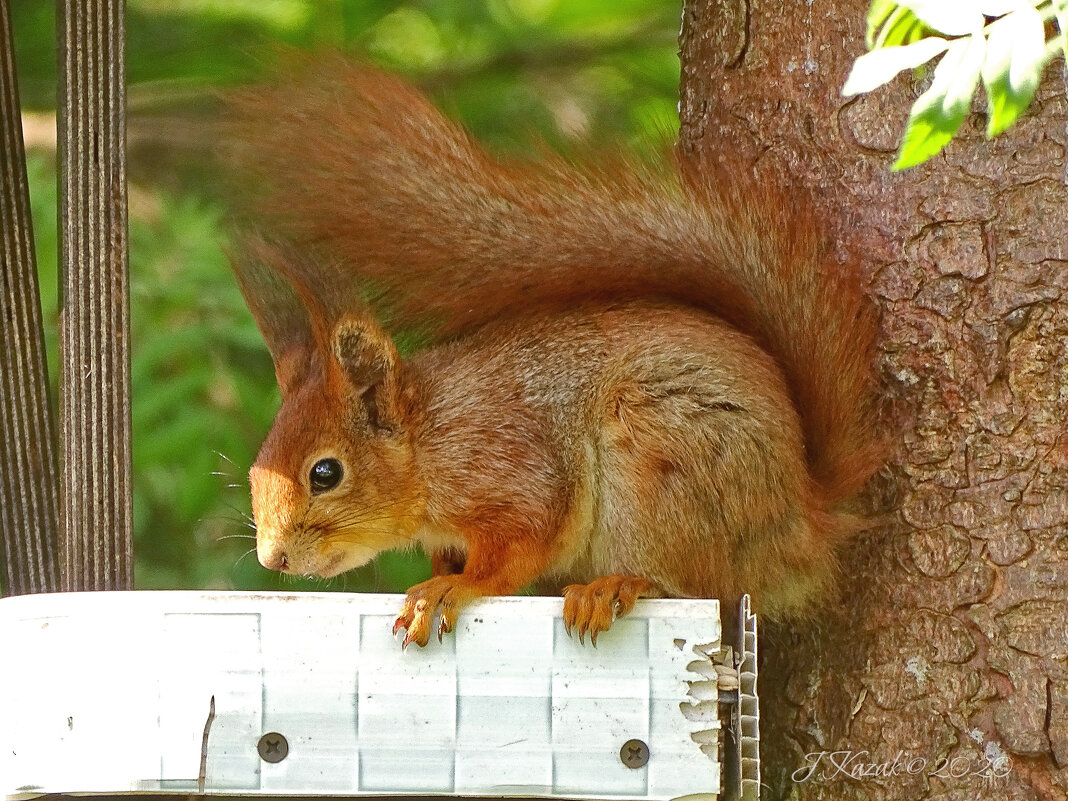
(441, 595)
(592, 607)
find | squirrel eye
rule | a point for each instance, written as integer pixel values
(325, 474)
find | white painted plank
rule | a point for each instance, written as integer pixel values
(109, 693)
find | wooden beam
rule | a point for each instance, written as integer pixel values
(264, 694)
(95, 401)
(28, 485)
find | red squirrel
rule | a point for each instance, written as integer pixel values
(636, 382)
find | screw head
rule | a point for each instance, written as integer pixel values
(272, 747)
(634, 754)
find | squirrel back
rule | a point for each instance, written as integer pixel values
(362, 168)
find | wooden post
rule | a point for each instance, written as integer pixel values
(28, 485)
(95, 402)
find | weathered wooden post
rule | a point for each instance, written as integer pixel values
(95, 349)
(28, 479)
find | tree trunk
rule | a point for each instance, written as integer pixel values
(948, 644)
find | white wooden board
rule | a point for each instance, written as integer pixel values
(110, 693)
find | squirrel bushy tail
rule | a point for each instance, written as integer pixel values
(361, 167)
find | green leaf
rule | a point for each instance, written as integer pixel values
(879, 66)
(951, 17)
(928, 131)
(957, 81)
(878, 14)
(901, 28)
(1015, 56)
(937, 113)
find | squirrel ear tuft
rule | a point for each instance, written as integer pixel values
(368, 362)
(291, 367)
(278, 311)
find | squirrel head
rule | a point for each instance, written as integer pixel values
(334, 483)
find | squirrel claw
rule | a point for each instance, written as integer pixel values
(443, 595)
(446, 623)
(417, 632)
(593, 607)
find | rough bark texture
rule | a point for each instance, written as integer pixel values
(950, 638)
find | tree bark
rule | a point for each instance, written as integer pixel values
(947, 645)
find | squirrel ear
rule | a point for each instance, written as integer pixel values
(367, 360)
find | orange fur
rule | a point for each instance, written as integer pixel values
(635, 381)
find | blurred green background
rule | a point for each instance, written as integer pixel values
(203, 385)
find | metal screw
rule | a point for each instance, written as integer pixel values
(634, 754)
(272, 747)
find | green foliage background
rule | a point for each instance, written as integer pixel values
(203, 385)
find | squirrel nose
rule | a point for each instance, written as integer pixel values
(272, 556)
